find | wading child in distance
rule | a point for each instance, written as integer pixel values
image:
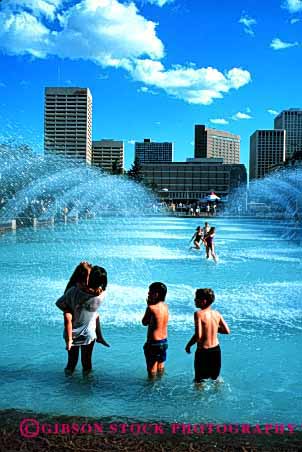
(206, 229)
(197, 237)
(156, 318)
(208, 324)
(209, 244)
(82, 324)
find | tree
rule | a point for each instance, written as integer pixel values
(135, 172)
(152, 185)
(116, 168)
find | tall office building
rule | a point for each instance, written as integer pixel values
(267, 148)
(108, 154)
(152, 152)
(213, 143)
(291, 121)
(68, 123)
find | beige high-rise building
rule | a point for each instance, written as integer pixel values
(267, 148)
(68, 123)
(108, 155)
(213, 143)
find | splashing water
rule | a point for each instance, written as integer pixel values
(258, 290)
(35, 186)
(276, 196)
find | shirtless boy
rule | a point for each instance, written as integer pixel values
(208, 324)
(156, 318)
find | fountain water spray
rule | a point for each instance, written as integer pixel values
(44, 187)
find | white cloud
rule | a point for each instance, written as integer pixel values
(104, 31)
(295, 20)
(159, 2)
(241, 115)
(107, 32)
(293, 6)
(23, 33)
(46, 8)
(248, 23)
(219, 121)
(272, 112)
(195, 86)
(103, 76)
(145, 89)
(277, 44)
(111, 34)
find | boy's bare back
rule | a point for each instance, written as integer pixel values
(207, 325)
(156, 318)
(158, 321)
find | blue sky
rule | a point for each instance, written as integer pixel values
(155, 67)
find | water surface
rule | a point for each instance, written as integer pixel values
(258, 288)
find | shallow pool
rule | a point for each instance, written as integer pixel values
(258, 288)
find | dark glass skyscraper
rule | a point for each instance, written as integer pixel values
(291, 121)
(152, 152)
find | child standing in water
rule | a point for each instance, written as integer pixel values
(206, 229)
(156, 318)
(209, 244)
(79, 279)
(208, 324)
(197, 237)
(82, 325)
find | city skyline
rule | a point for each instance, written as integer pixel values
(166, 72)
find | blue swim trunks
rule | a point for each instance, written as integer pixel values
(155, 351)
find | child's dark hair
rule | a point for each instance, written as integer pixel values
(204, 294)
(198, 228)
(97, 278)
(159, 288)
(79, 275)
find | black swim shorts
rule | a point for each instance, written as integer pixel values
(207, 363)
